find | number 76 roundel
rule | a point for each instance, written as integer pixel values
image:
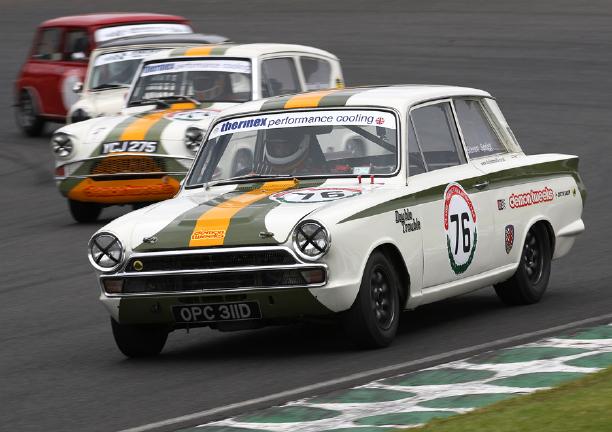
(460, 227)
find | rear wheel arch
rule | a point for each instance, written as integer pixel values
(549, 231)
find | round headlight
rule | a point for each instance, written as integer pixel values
(62, 146)
(105, 252)
(311, 240)
(193, 138)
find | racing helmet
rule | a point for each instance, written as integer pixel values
(208, 85)
(286, 148)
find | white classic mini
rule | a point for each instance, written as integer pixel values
(441, 201)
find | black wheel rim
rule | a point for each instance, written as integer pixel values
(533, 258)
(26, 112)
(383, 302)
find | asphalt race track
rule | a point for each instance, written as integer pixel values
(547, 62)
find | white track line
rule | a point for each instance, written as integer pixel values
(288, 394)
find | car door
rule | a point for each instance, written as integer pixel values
(279, 75)
(76, 48)
(457, 221)
(490, 146)
(316, 72)
(43, 69)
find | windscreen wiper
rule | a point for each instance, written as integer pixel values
(244, 179)
(180, 98)
(109, 86)
(151, 101)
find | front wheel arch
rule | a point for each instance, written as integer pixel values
(393, 254)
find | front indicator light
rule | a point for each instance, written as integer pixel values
(113, 286)
(314, 276)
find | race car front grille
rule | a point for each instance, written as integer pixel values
(229, 259)
(128, 164)
(214, 281)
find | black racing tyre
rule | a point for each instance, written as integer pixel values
(139, 340)
(28, 115)
(373, 318)
(528, 284)
(84, 212)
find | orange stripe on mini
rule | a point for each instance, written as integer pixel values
(307, 100)
(211, 227)
(199, 51)
(138, 129)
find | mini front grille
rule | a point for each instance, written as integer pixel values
(206, 261)
(128, 164)
(215, 281)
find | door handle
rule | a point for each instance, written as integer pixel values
(481, 186)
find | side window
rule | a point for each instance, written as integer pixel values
(279, 76)
(416, 165)
(436, 134)
(480, 138)
(317, 73)
(76, 45)
(48, 45)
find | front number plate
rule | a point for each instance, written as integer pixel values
(214, 312)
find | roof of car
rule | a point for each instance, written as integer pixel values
(101, 19)
(187, 38)
(400, 97)
(242, 50)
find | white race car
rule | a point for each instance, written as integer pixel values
(112, 67)
(142, 155)
(443, 203)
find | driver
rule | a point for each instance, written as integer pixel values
(210, 86)
(291, 151)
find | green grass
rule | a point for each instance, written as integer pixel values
(584, 405)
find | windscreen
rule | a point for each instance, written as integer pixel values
(212, 80)
(117, 69)
(114, 32)
(322, 143)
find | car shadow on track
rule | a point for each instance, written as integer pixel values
(325, 338)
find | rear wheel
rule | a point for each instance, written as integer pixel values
(373, 319)
(530, 281)
(139, 340)
(28, 116)
(84, 212)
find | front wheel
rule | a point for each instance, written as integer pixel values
(373, 319)
(84, 212)
(528, 284)
(139, 341)
(28, 117)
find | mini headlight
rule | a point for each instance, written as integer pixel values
(62, 146)
(105, 252)
(311, 240)
(193, 138)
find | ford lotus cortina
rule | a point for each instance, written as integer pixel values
(442, 201)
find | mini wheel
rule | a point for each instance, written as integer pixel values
(84, 212)
(530, 280)
(28, 116)
(373, 318)
(139, 340)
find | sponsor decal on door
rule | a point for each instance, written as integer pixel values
(460, 227)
